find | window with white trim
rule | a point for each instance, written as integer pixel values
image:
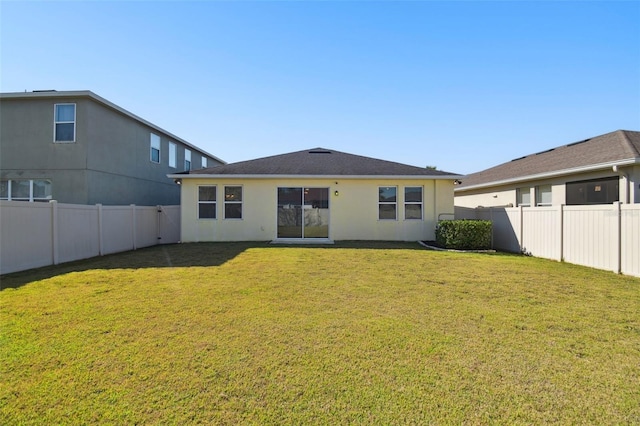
(233, 202)
(413, 202)
(207, 202)
(543, 195)
(155, 148)
(64, 122)
(387, 202)
(25, 189)
(173, 154)
(203, 162)
(187, 160)
(523, 197)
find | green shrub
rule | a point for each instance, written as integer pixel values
(464, 234)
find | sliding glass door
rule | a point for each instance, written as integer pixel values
(303, 212)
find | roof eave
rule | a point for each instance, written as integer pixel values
(293, 176)
(100, 99)
(553, 174)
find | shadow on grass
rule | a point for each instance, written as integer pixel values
(179, 255)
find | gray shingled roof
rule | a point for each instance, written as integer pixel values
(608, 148)
(320, 162)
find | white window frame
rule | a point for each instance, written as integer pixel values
(414, 203)
(56, 122)
(226, 202)
(213, 202)
(539, 203)
(519, 193)
(203, 162)
(154, 145)
(187, 160)
(388, 203)
(31, 197)
(173, 155)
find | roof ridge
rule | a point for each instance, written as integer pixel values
(628, 141)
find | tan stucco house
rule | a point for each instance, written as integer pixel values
(600, 170)
(315, 195)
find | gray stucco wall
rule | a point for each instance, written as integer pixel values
(109, 162)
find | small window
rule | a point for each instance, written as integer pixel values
(4, 189)
(204, 162)
(387, 202)
(25, 190)
(64, 123)
(187, 160)
(523, 197)
(155, 148)
(206, 202)
(413, 202)
(173, 152)
(233, 202)
(543, 195)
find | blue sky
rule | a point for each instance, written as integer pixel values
(458, 85)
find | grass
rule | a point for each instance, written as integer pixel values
(357, 333)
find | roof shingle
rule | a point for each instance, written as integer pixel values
(320, 162)
(610, 147)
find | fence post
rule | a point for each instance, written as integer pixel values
(159, 223)
(616, 207)
(521, 230)
(133, 225)
(100, 231)
(561, 220)
(54, 232)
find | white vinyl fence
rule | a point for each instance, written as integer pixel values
(40, 234)
(601, 236)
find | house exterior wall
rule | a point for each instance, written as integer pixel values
(353, 214)
(506, 195)
(109, 162)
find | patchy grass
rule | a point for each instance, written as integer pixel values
(361, 333)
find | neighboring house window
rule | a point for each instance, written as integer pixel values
(155, 148)
(387, 202)
(523, 197)
(64, 123)
(596, 191)
(413, 202)
(206, 202)
(543, 195)
(173, 152)
(25, 190)
(187, 160)
(233, 202)
(204, 162)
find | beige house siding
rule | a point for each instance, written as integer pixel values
(353, 213)
(505, 195)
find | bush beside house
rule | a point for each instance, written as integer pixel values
(464, 234)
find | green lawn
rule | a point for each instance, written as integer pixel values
(356, 333)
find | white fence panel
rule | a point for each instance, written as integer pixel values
(146, 226)
(117, 229)
(506, 228)
(41, 234)
(77, 236)
(630, 239)
(542, 232)
(601, 236)
(25, 235)
(591, 236)
(170, 225)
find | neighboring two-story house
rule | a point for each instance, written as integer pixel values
(77, 147)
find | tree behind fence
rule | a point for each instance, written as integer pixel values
(40, 234)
